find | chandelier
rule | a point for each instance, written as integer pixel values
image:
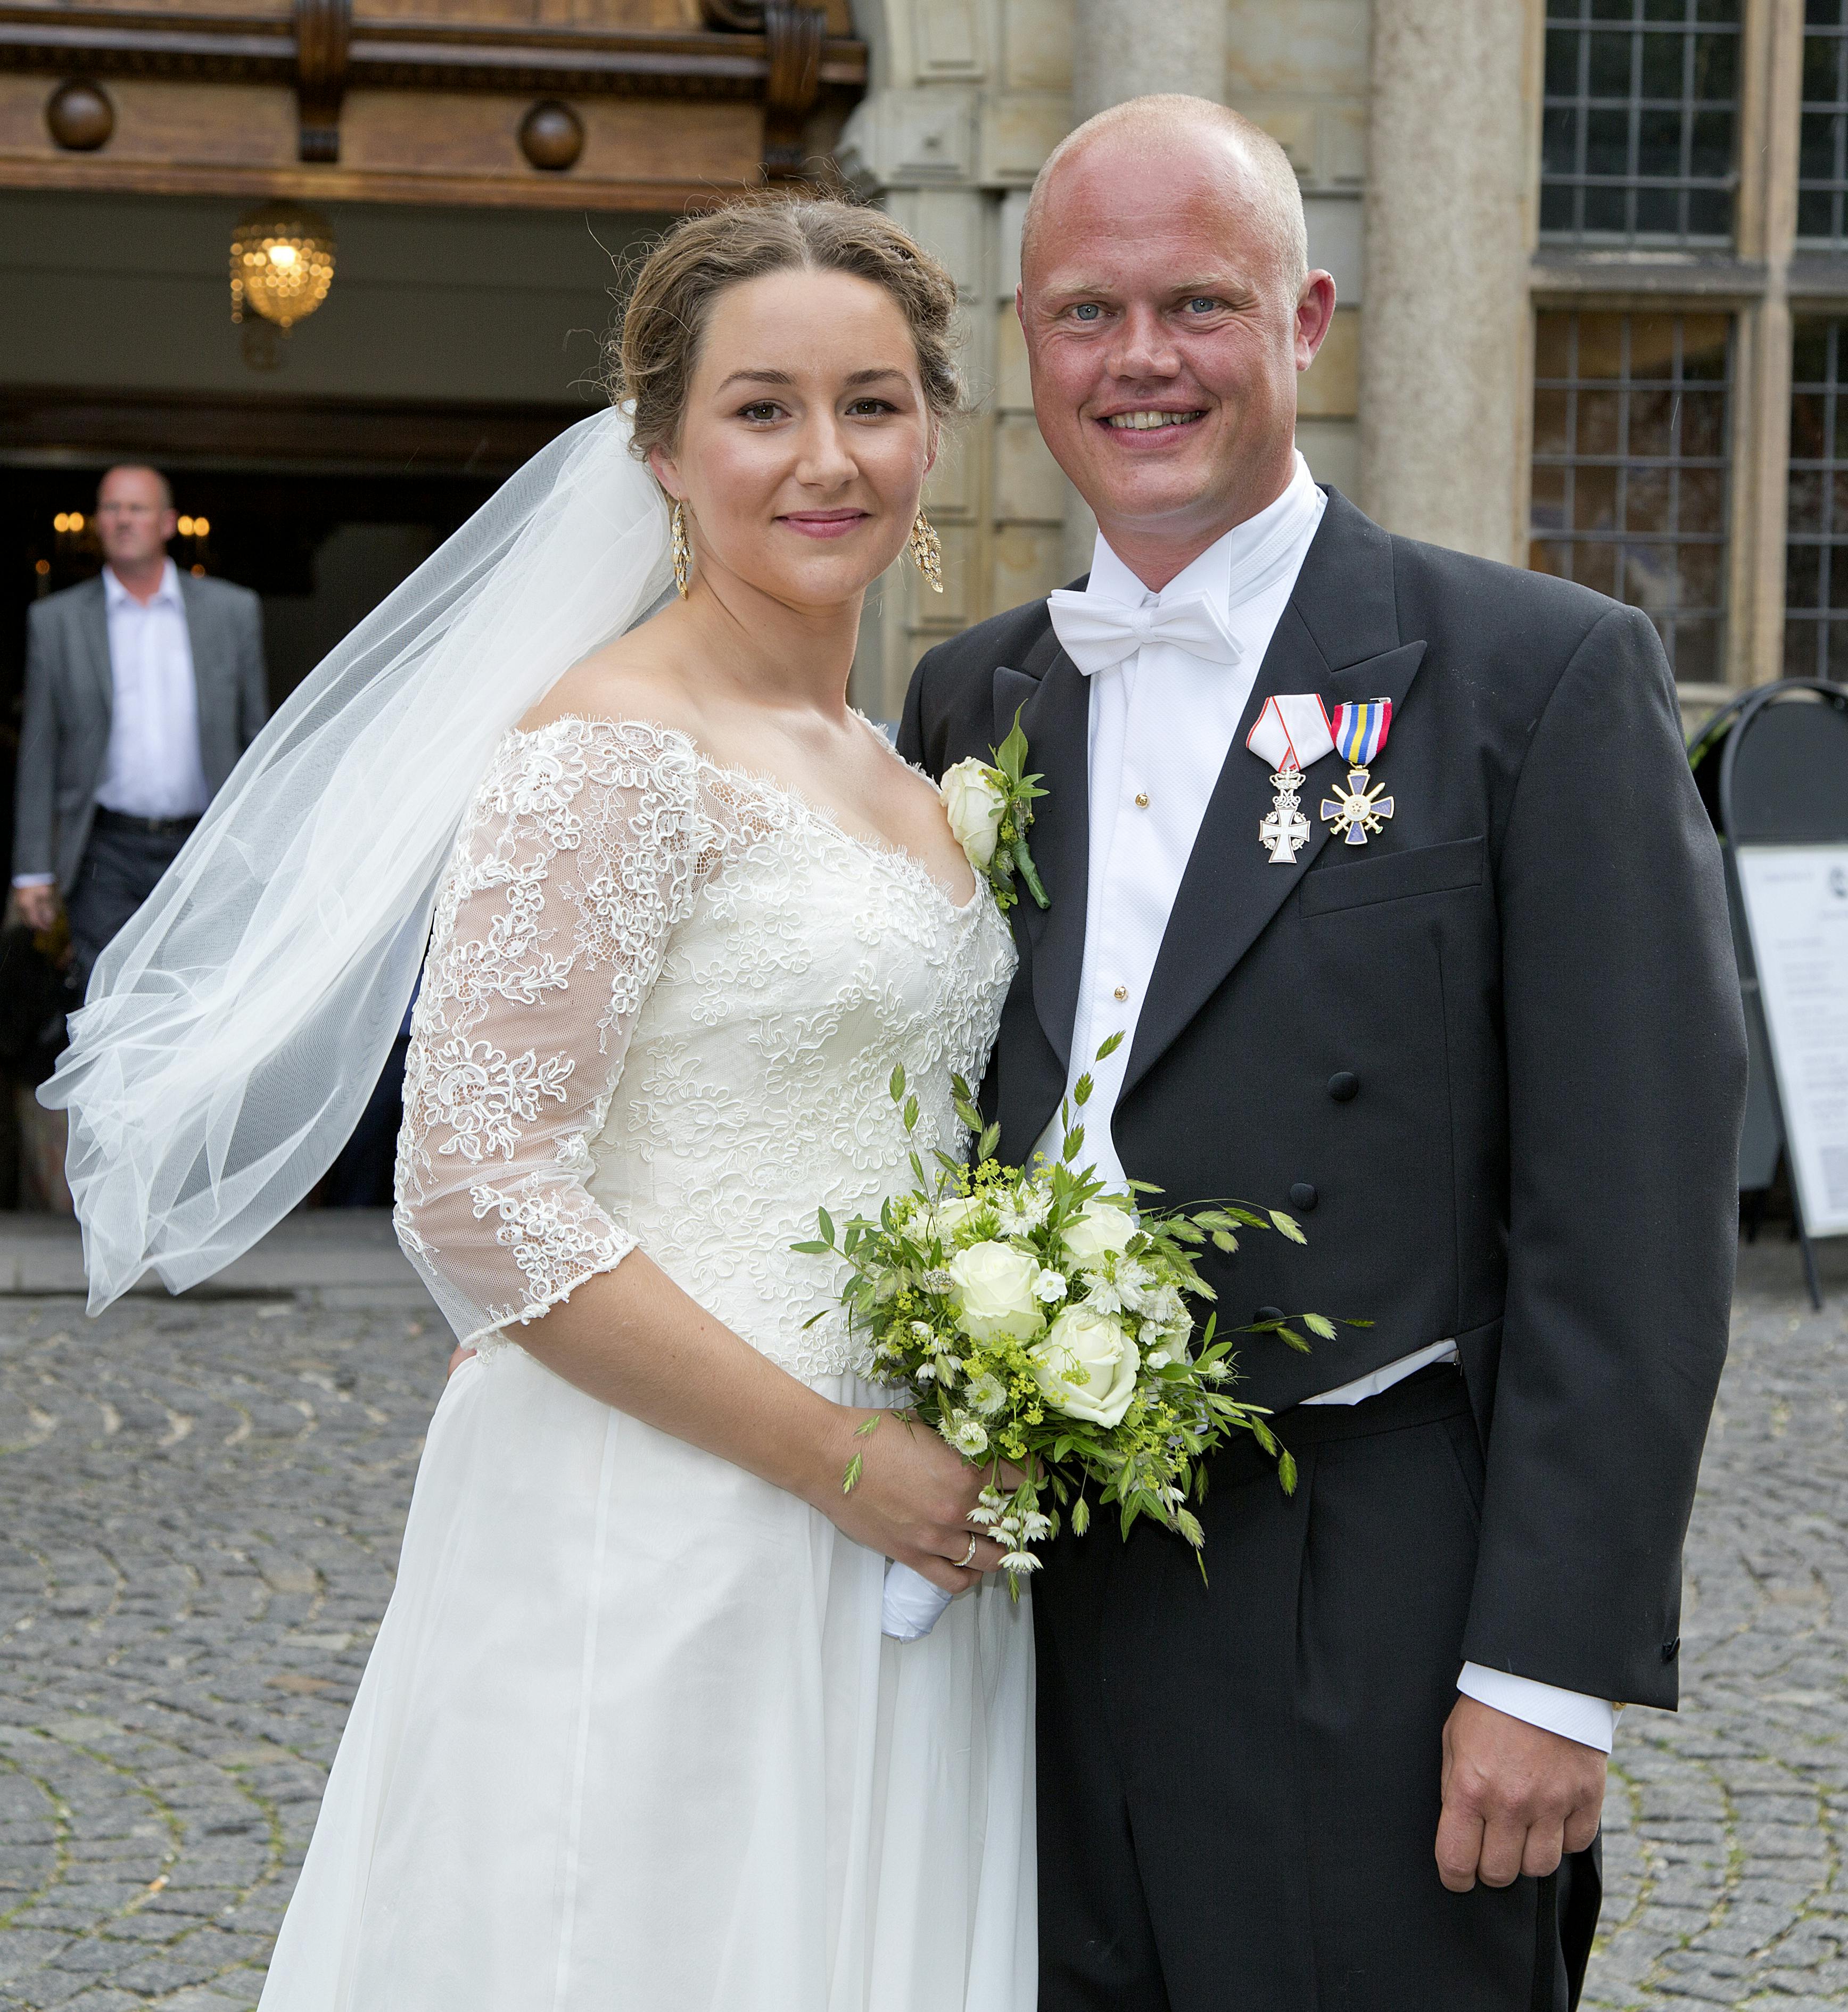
(282, 263)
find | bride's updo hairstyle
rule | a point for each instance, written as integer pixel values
(676, 284)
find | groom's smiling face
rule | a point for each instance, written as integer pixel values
(1167, 313)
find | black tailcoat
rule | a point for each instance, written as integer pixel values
(1530, 974)
(1498, 1055)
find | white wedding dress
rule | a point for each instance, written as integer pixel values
(631, 1739)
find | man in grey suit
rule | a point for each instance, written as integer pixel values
(143, 688)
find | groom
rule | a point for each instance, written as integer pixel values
(1448, 977)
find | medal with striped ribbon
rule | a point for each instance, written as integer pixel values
(1360, 732)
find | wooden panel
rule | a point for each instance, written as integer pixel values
(245, 9)
(239, 140)
(682, 14)
(183, 126)
(632, 142)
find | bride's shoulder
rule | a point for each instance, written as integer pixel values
(626, 691)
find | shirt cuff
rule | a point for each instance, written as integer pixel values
(1590, 1720)
(34, 879)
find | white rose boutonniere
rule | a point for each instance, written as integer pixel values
(976, 803)
(990, 808)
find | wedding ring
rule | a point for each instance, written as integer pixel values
(969, 1557)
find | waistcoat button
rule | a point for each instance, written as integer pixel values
(1303, 1196)
(1344, 1086)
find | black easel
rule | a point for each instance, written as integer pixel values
(1782, 779)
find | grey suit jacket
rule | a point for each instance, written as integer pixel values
(70, 696)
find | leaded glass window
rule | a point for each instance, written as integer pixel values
(1631, 418)
(1815, 581)
(1640, 121)
(1822, 157)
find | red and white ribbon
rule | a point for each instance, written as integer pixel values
(1292, 732)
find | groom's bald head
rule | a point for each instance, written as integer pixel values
(1132, 138)
(1168, 308)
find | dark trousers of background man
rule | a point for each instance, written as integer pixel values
(122, 862)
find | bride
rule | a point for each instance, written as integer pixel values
(630, 1736)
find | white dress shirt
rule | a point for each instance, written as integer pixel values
(1161, 727)
(153, 768)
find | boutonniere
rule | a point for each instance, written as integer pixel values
(990, 807)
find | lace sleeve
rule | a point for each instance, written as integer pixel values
(584, 849)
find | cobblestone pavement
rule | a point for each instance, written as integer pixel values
(200, 1505)
(200, 1509)
(1725, 1824)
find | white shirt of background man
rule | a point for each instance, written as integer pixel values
(153, 768)
(1161, 728)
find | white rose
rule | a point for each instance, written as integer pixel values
(1163, 1351)
(1087, 1366)
(957, 1213)
(992, 1285)
(1100, 1227)
(974, 801)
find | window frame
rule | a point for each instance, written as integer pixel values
(1753, 281)
(1585, 104)
(1578, 463)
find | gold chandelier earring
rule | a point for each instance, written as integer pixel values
(680, 550)
(927, 550)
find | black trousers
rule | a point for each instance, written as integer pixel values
(1239, 1783)
(121, 864)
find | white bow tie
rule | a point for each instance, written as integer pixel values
(1098, 634)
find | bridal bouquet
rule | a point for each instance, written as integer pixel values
(1033, 1318)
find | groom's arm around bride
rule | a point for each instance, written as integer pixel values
(1485, 1040)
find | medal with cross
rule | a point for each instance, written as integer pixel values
(1292, 731)
(1357, 810)
(1286, 831)
(1360, 732)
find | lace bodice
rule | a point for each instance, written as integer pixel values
(662, 1007)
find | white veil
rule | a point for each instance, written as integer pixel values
(234, 1029)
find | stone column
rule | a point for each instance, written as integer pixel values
(1127, 48)
(1444, 343)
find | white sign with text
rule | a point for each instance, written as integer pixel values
(1796, 908)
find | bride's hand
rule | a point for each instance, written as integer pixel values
(912, 1499)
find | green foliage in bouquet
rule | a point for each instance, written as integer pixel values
(1042, 1326)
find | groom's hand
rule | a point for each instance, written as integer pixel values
(1515, 1797)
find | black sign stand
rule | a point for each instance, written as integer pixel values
(1781, 778)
